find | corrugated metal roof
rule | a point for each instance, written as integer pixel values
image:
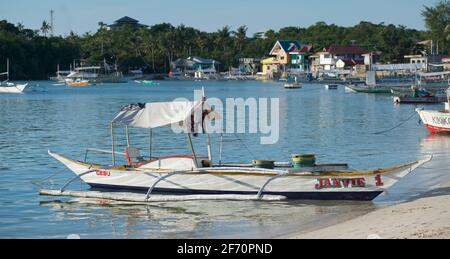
(388, 67)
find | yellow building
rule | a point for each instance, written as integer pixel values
(270, 67)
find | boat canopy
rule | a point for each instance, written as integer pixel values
(166, 114)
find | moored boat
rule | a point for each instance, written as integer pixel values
(331, 87)
(77, 83)
(436, 121)
(293, 84)
(9, 87)
(195, 174)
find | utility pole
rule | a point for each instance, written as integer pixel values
(51, 22)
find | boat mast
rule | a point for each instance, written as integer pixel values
(7, 69)
(208, 137)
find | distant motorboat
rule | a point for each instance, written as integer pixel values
(293, 85)
(146, 82)
(77, 83)
(331, 87)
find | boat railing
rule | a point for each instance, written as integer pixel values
(101, 151)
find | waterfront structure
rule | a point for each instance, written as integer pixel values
(250, 66)
(193, 66)
(286, 55)
(126, 21)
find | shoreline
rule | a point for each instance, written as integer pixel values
(427, 217)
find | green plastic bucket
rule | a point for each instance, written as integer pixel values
(301, 160)
(265, 164)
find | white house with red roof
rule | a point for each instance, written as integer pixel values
(337, 58)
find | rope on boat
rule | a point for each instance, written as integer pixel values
(39, 183)
(398, 126)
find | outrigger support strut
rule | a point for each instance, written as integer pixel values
(261, 191)
(150, 190)
(74, 179)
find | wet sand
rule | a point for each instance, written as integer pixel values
(427, 217)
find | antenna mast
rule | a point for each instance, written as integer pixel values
(52, 20)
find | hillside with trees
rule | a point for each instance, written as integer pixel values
(35, 55)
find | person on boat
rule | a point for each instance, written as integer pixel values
(417, 93)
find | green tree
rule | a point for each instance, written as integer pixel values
(45, 28)
(437, 18)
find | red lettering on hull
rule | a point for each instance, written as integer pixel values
(337, 183)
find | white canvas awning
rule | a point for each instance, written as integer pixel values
(156, 115)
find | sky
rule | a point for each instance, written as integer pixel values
(210, 15)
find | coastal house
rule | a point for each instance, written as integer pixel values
(337, 58)
(250, 66)
(192, 65)
(284, 56)
(126, 21)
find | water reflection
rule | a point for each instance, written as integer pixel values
(208, 219)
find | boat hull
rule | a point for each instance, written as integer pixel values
(418, 100)
(330, 196)
(16, 89)
(435, 121)
(245, 181)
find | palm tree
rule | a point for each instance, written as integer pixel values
(20, 26)
(447, 32)
(223, 36)
(45, 28)
(241, 37)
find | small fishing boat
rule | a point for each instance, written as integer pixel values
(362, 88)
(437, 121)
(293, 85)
(331, 87)
(9, 87)
(146, 82)
(408, 99)
(419, 96)
(77, 83)
(194, 174)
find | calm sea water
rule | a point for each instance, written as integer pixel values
(336, 125)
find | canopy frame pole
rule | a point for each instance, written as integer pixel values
(208, 137)
(191, 145)
(208, 140)
(113, 146)
(127, 133)
(150, 145)
(221, 149)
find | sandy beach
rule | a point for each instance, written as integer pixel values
(425, 218)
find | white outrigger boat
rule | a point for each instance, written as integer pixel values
(8, 87)
(437, 121)
(196, 175)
